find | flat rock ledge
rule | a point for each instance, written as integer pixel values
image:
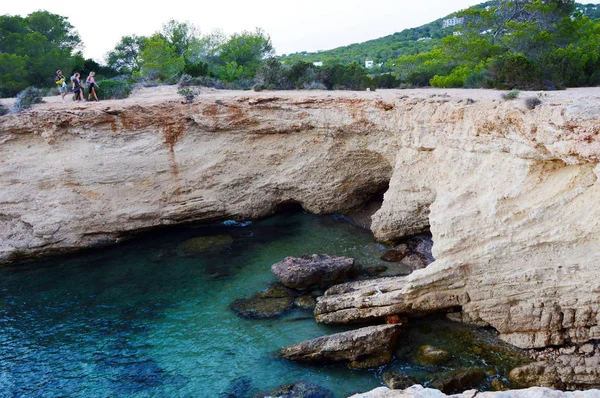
(421, 392)
(363, 348)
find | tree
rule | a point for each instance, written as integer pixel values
(159, 60)
(56, 29)
(126, 55)
(246, 49)
(180, 35)
(13, 74)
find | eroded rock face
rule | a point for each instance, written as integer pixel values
(364, 348)
(510, 195)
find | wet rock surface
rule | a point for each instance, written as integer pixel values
(271, 303)
(430, 355)
(300, 389)
(458, 380)
(399, 381)
(312, 271)
(362, 348)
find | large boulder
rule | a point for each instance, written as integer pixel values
(317, 270)
(361, 349)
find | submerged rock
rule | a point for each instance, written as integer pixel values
(300, 389)
(271, 303)
(305, 302)
(318, 270)
(363, 348)
(499, 385)
(457, 380)
(398, 381)
(261, 308)
(430, 355)
(204, 244)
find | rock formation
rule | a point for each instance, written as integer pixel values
(421, 392)
(510, 195)
(363, 348)
(313, 271)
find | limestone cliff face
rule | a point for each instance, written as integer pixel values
(511, 195)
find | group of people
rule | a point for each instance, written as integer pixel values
(77, 87)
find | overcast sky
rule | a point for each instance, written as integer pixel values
(307, 25)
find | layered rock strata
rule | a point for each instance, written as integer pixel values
(510, 194)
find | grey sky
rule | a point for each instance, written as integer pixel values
(307, 25)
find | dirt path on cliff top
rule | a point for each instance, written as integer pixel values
(589, 96)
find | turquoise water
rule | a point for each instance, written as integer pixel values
(139, 320)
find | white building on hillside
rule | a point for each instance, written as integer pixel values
(318, 63)
(453, 22)
(369, 64)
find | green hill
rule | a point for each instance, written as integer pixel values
(407, 42)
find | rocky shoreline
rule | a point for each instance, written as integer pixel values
(509, 194)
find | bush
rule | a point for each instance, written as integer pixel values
(206, 81)
(386, 80)
(314, 86)
(3, 110)
(511, 95)
(184, 81)
(26, 98)
(196, 70)
(532, 102)
(515, 71)
(188, 93)
(112, 89)
(455, 79)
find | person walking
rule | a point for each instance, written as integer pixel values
(62, 84)
(92, 86)
(77, 88)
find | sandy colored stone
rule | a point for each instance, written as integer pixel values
(363, 348)
(510, 195)
(421, 392)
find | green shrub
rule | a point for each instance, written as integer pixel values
(206, 81)
(455, 79)
(196, 70)
(386, 80)
(511, 95)
(515, 71)
(112, 89)
(188, 94)
(26, 98)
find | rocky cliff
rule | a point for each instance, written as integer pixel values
(510, 194)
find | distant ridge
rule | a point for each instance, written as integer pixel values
(407, 42)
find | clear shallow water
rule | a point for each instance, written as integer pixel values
(138, 320)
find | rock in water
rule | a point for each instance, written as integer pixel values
(204, 244)
(362, 348)
(430, 355)
(270, 303)
(299, 389)
(318, 270)
(399, 381)
(458, 380)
